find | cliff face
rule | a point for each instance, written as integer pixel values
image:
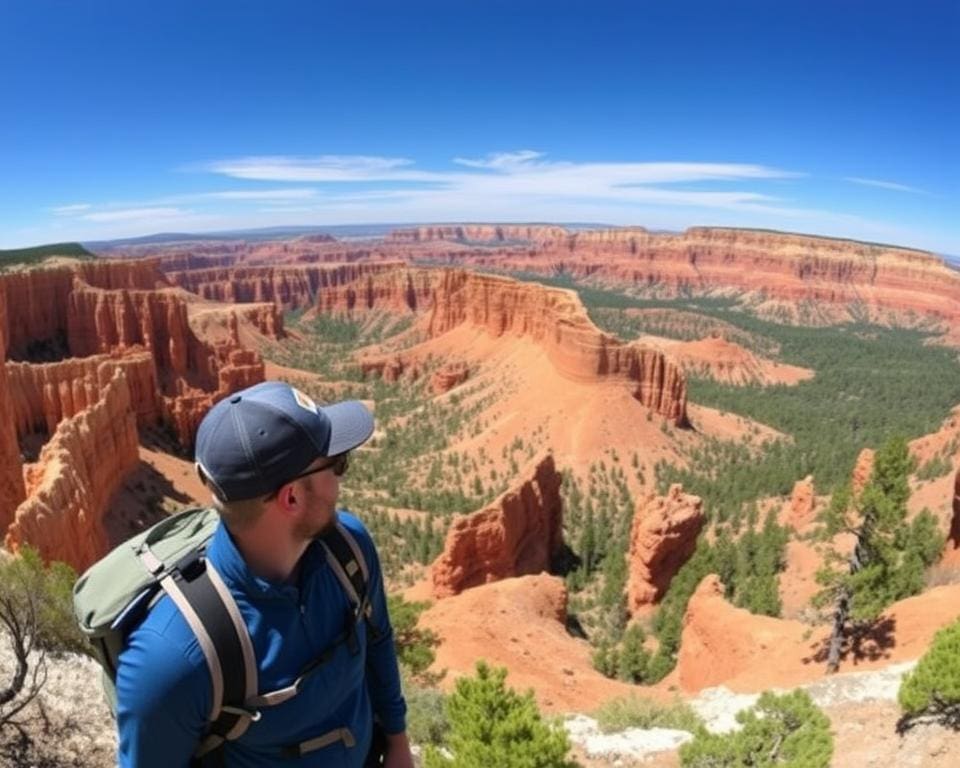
(288, 286)
(777, 266)
(131, 356)
(44, 395)
(662, 538)
(518, 534)
(396, 290)
(79, 469)
(482, 233)
(556, 319)
(12, 490)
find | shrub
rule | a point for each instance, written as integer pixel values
(25, 579)
(932, 689)
(787, 730)
(635, 712)
(492, 725)
(36, 614)
(414, 646)
(426, 716)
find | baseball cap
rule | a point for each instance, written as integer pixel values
(253, 441)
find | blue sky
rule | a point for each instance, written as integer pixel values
(128, 118)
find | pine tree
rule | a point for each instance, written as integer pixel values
(493, 725)
(889, 555)
(634, 658)
(932, 689)
(787, 730)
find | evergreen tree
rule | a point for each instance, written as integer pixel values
(493, 725)
(932, 689)
(634, 658)
(787, 730)
(889, 554)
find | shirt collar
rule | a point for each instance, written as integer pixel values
(223, 553)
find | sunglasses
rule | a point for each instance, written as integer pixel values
(338, 464)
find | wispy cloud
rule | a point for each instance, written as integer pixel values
(71, 210)
(297, 193)
(502, 160)
(519, 178)
(884, 185)
(319, 168)
(135, 214)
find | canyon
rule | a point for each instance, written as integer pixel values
(95, 351)
(102, 357)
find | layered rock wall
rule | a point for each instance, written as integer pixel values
(773, 265)
(517, 535)
(12, 490)
(394, 290)
(556, 320)
(45, 394)
(480, 233)
(289, 287)
(663, 536)
(70, 486)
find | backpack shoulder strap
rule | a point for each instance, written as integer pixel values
(346, 558)
(205, 602)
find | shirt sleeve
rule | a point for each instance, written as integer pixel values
(163, 700)
(383, 674)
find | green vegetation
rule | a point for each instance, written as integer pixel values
(491, 724)
(890, 554)
(788, 731)
(932, 690)
(406, 482)
(36, 614)
(865, 390)
(36, 254)
(636, 712)
(414, 646)
(26, 585)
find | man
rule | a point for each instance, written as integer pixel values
(273, 461)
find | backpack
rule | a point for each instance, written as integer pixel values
(115, 594)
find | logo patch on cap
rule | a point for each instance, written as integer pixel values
(303, 400)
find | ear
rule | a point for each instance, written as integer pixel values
(290, 499)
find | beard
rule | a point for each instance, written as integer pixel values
(319, 521)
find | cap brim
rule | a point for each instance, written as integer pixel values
(351, 425)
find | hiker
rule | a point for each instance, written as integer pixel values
(273, 462)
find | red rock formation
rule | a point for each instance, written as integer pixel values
(719, 642)
(78, 471)
(99, 321)
(483, 233)
(45, 394)
(12, 490)
(516, 535)
(397, 290)
(288, 286)
(862, 470)
(662, 538)
(448, 376)
(391, 368)
(557, 321)
(802, 504)
(780, 266)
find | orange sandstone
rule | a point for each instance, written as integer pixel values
(663, 536)
(518, 534)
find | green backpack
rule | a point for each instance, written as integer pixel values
(115, 594)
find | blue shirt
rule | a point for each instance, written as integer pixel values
(164, 691)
